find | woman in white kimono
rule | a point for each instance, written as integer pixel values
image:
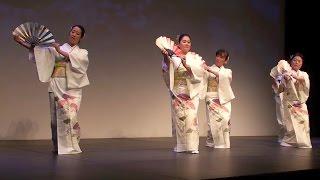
(64, 68)
(296, 86)
(185, 75)
(217, 84)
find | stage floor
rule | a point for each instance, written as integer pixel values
(153, 158)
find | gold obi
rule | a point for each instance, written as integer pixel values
(180, 81)
(59, 69)
(212, 85)
(180, 77)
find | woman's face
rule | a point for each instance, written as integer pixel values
(220, 60)
(75, 36)
(296, 63)
(185, 44)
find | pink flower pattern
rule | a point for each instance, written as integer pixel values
(68, 102)
(215, 105)
(298, 109)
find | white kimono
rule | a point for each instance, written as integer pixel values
(65, 93)
(186, 89)
(295, 112)
(218, 96)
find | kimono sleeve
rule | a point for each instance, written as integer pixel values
(45, 60)
(77, 68)
(304, 94)
(79, 61)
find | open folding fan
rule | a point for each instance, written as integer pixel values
(283, 67)
(34, 34)
(165, 43)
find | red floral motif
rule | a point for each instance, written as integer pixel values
(184, 97)
(62, 103)
(213, 105)
(216, 101)
(74, 106)
(189, 104)
(297, 105)
(216, 104)
(66, 96)
(298, 110)
(183, 100)
(76, 126)
(176, 103)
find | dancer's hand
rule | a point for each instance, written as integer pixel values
(17, 38)
(164, 52)
(22, 42)
(205, 66)
(287, 77)
(56, 46)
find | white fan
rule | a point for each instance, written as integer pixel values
(34, 34)
(283, 67)
(165, 43)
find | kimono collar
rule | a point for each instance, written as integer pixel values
(296, 72)
(67, 48)
(214, 65)
(179, 53)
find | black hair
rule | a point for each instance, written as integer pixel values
(83, 31)
(296, 54)
(183, 35)
(223, 53)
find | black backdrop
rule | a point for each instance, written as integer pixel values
(302, 35)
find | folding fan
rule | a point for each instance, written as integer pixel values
(165, 43)
(34, 34)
